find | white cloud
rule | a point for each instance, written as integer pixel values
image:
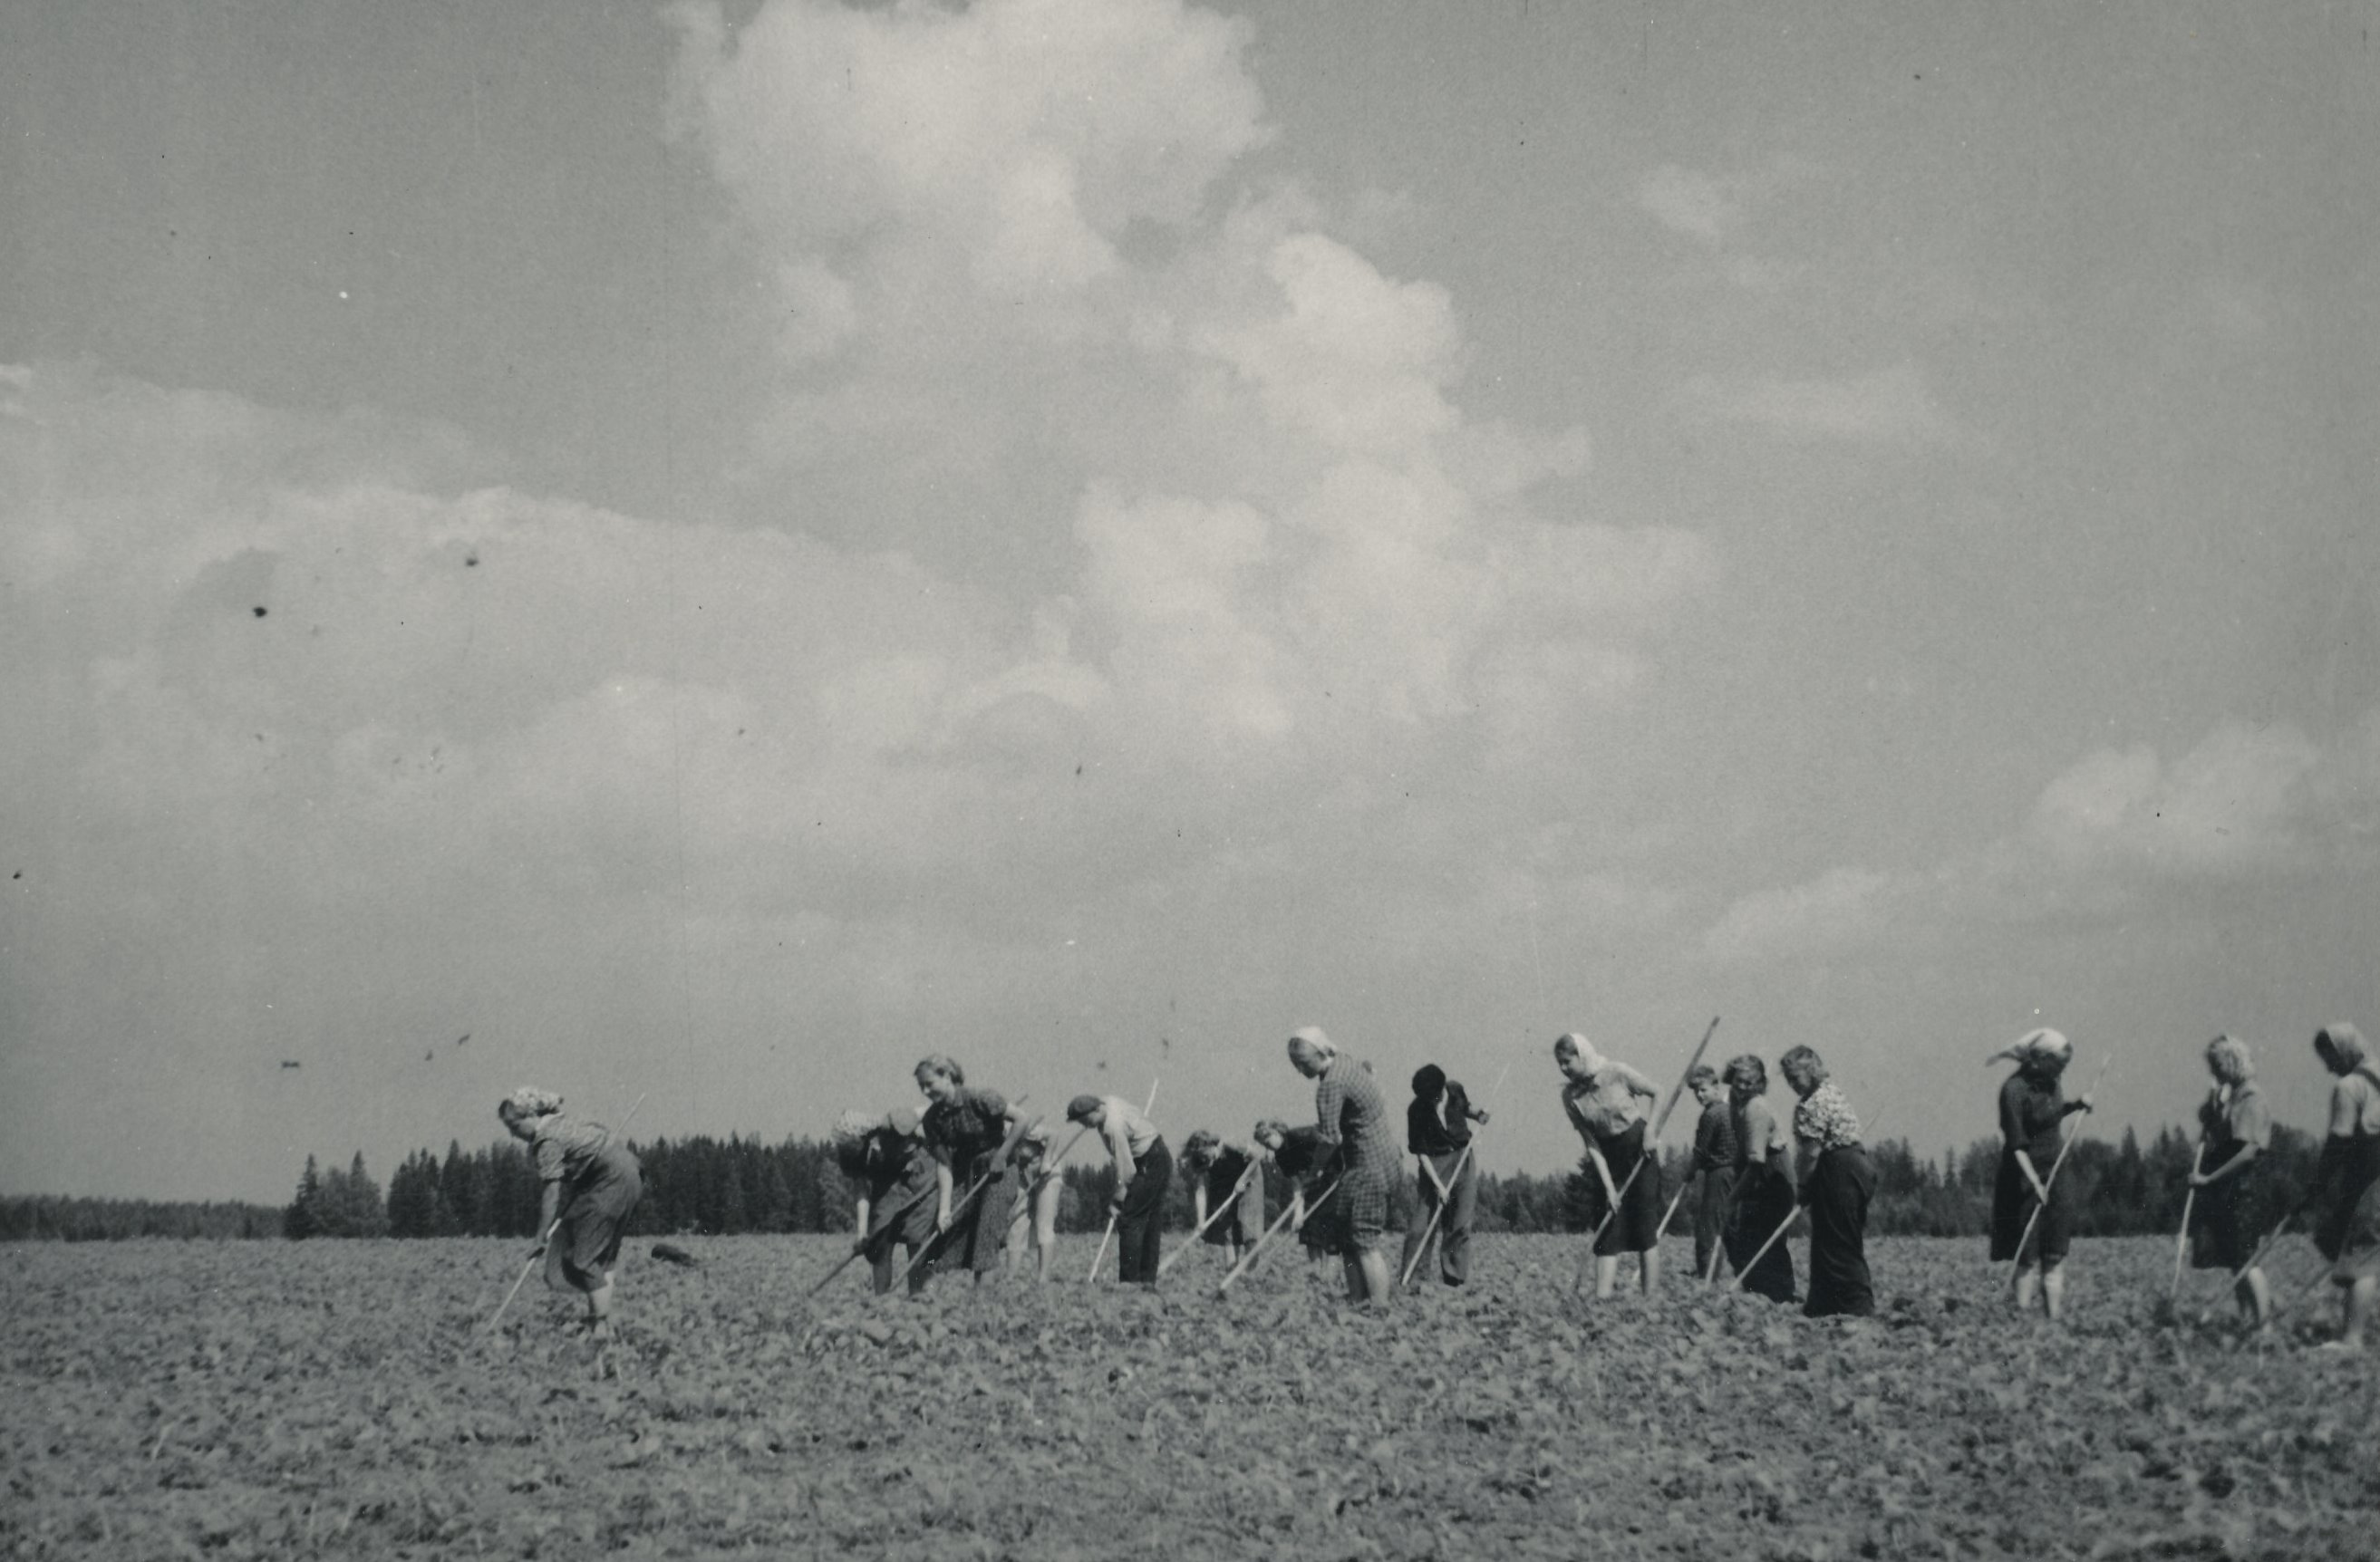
(1885, 406)
(2117, 827)
(1689, 202)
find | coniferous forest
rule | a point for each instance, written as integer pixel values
(702, 1185)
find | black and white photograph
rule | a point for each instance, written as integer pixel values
(1036, 780)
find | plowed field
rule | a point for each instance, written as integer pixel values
(340, 1399)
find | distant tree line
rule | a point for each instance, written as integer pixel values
(736, 1185)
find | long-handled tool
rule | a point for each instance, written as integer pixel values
(1652, 1149)
(1255, 1169)
(1101, 1256)
(886, 1224)
(998, 1160)
(2181, 1238)
(1446, 1189)
(2049, 1183)
(1274, 1229)
(523, 1278)
(1024, 1210)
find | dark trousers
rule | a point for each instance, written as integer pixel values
(1452, 1237)
(1711, 1201)
(1840, 1186)
(1140, 1225)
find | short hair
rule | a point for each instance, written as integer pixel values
(941, 1063)
(1429, 1080)
(528, 1101)
(1804, 1060)
(1081, 1108)
(1746, 1070)
(1200, 1147)
(1700, 1075)
(2230, 1050)
(1269, 1128)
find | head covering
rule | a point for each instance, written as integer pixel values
(2041, 1048)
(852, 1127)
(1805, 1058)
(1572, 1043)
(528, 1101)
(2230, 1050)
(1746, 1070)
(941, 1063)
(905, 1120)
(1081, 1108)
(1429, 1080)
(1310, 1041)
(2346, 1044)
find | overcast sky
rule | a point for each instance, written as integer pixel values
(715, 552)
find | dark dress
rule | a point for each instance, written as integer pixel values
(1840, 1185)
(2031, 1111)
(2229, 1218)
(898, 1174)
(965, 1134)
(1640, 1201)
(1305, 1160)
(1244, 1221)
(1764, 1200)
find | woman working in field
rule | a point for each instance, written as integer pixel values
(1144, 1171)
(1438, 1130)
(1299, 1154)
(1836, 1181)
(2032, 1110)
(590, 1187)
(1039, 1191)
(1608, 1102)
(2347, 1179)
(1763, 1193)
(1226, 1173)
(888, 1159)
(2229, 1213)
(966, 1128)
(1350, 1117)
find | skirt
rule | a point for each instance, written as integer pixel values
(2348, 1231)
(900, 1215)
(1640, 1203)
(2230, 1218)
(595, 1208)
(1763, 1201)
(1242, 1223)
(1840, 1186)
(977, 1238)
(2012, 1207)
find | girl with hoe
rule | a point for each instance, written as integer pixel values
(1607, 1102)
(1837, 1180)
(895, 1172)
(1220, 1168)
(1144, 1171)
(1351, 1118)
(589, 1186)
(2234, 1131)
(1764, 1192)
(2347, 1179)
(1438, 1130)
(966, 1128)
(1299, 1154)
(2032, 1110)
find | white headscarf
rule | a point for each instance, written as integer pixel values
(528, 1101)
(2042, 1046)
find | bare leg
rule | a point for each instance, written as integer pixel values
(879, 1270)
(1371, 1268)
(1651, 1272)
(2256, 1298)
(2053, 1290)
(2025, 1286)
(1606, 1274)
(2358, 1308)
(599, 1306)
